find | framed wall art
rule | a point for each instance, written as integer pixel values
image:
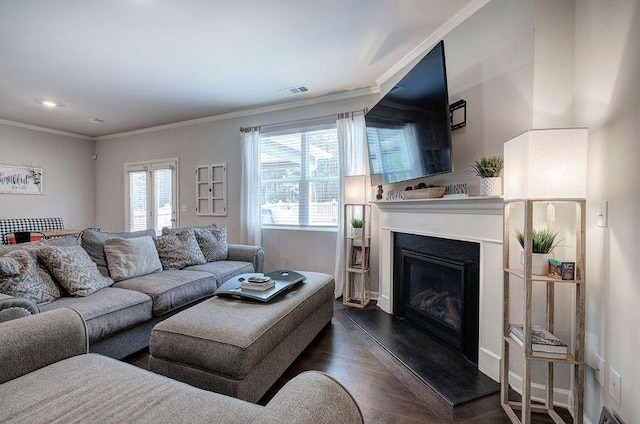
(20, 179)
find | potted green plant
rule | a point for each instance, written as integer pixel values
(543, 241)
(356, 227)
(489, 168)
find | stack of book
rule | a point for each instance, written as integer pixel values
(257, 283)
(543, 343)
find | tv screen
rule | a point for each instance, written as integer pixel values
(408, 130)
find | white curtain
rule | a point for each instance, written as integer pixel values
(352, 151)
(250, 218)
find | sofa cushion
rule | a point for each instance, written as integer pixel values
(108, 311)
(213, 243)
(72, 267)
(21, 276)
(171, 289)
(93, 242)
(61, 241)
(178, 250)
(133, 257)
(168, 230)
(95, 389)
(223, 270)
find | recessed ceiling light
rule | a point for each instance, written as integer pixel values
(49, 103)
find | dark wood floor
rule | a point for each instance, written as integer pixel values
(385, 390)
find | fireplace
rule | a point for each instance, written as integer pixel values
(436, 288)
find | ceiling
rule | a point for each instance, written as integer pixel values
(141, 63)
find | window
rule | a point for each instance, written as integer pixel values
(151, 197)
(300, 178)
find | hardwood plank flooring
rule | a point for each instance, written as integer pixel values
(386, 391)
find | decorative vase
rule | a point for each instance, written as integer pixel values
(539, 262)
(491, 186)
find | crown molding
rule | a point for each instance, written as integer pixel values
(246, 112)
(45, 130)
(432, 39)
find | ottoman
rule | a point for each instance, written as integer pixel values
(237, 347)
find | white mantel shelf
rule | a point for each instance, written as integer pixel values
(492, 205)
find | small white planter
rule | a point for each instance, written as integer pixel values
(491, 186)
(539, 262)
(356, 232)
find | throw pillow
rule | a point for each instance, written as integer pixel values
(213, 243)
(93, 242)
(169, 230)
(74, 269)
(20, 276)
(177, 251)
(128, 258)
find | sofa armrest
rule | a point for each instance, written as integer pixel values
(15, 307)
(31, 343)
(242, 252)
(311, 398)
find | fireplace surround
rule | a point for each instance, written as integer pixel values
(474, 219)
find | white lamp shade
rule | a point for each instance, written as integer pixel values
(355, 189)
(546, 164)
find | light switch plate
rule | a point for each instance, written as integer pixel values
(603, 217)
(614, 385)
(183, 208)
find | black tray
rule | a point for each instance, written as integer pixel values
(283, 280)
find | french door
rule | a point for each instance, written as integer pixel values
(151, 195)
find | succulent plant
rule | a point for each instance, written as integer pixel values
(488, 166)
(544, 241)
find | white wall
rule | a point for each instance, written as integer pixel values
(210, 143)
(489, 59)
(68, 176)
(607, 64)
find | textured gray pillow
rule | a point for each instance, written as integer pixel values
(21, 276)
(213, 243)
(177, 251)
(128, 258)
(93, 243)
(74, 269)
(169, 230)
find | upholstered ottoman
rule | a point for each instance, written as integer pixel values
(238, 347)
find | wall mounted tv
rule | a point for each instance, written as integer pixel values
(408, 130)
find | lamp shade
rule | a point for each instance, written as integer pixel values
(546, 164)
(355, 189)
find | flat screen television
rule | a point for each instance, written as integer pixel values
(408, 130)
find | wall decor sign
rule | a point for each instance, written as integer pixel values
(20, 179)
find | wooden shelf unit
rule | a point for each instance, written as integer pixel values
(574, 359)
(357, 255)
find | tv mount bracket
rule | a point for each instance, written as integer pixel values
(458, 114)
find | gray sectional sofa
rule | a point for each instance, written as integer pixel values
(120, 317)
(61, 382)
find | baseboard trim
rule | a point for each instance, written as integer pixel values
(560, 396)
(489, 363)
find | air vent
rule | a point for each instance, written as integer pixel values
(292, 91)
(96, 121)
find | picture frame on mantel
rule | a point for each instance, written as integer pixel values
(20, 180)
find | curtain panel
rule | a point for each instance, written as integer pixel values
(354, 160)
(250, 220)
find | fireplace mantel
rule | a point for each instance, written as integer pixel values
(475, 219)
(493, 205)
